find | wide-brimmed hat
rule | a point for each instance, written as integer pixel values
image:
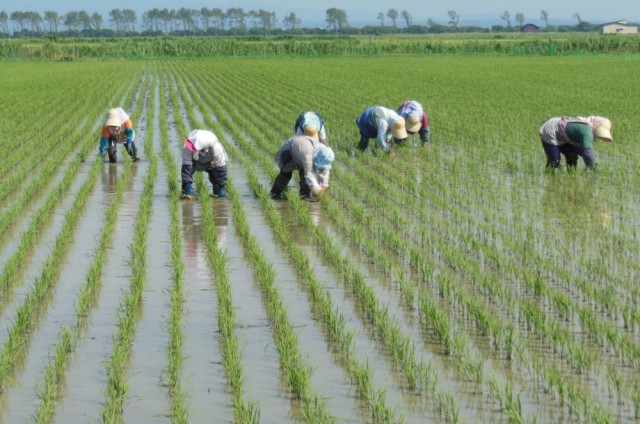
(603, 131)
(398, 130)
(413, 124)
(322, 157)
(113, 118)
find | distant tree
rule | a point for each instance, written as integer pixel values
(576, 16)
(393, 15)
(186, 19)
(19, 19)
(130, 19)
(336, 19)
(36, 21)
(218, 17)
(381, 18)
(166, 16)
(84, 20)
(506, 16)
(520, 18)
(206, 16)
(544, 15)
(406, 16)
(267, 20)
(151, 20)
(454, 18)
(96, 21)
(254, 19)
(236, 19)
(72, 21)
(116, 17)
(4, 22)
(291, 21)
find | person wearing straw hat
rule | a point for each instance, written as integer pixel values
(203, 151)
(573, 137)
(311, 158)
(383, 124)
(117, 129)
(310, 122)
(416, 120)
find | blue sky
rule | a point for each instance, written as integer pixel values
(365, 12)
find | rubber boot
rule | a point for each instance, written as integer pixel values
(363, 144)
(188, 192)
(305, 191)
(279, 185)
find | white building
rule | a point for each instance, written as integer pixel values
(619, 27)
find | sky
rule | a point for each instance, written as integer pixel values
(365, 12)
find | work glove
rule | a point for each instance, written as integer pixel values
(129, 149)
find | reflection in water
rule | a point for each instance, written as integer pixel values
(315, 213)
(221, 219)
(196, 250)
(109, 177)
(192, 226)
(568, 202)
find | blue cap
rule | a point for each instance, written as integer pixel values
(322, 157)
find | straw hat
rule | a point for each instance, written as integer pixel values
(398, 130)
(113, 118)
(311, 131)
(603, 131)
(413, 124)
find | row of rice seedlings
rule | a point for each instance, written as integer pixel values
(22, 88)
(244, 410)
(41, 136)
(296, 370)
(578, 354)
(11, 215)
(334, 323)
(418, 375)
(603, 295)
(115, 369)
(452, 255)
(179, 409)
(28, 312)
(445, 328)
(484, 316)
(294, 367)
(49, 389)
(15, 211)
(396, 170)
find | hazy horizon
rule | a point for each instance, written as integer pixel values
(361, 13)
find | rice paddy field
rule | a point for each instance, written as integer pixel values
(457, 283)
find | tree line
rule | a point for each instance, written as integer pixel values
(237, 21)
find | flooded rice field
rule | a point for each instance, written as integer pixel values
(450, 284)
